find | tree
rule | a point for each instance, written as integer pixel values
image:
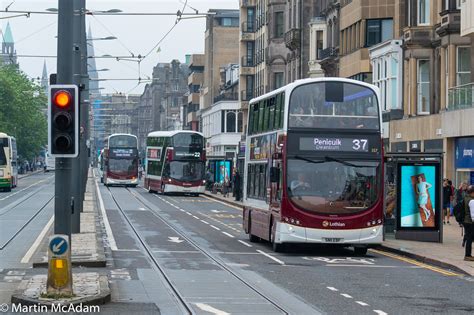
(22, 111)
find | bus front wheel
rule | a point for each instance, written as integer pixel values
(277, 247)
(360, 251)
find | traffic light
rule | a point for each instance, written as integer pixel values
(63, 121)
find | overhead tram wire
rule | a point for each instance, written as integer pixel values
(113, 13)
(36, 32)
(110, 32)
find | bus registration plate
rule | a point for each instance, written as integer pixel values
(333, 239)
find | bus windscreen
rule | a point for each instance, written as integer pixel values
(3, 145)
(334, 105)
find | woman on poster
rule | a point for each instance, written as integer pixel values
(422, 193)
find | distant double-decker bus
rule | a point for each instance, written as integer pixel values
(175, 162)
(8, 162)
(313, 166)
(120, 160)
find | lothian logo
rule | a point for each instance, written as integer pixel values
(325, 223)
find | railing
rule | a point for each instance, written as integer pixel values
(248, 27)
(327, 52)
(226, 97)
(246, 95)
(460, 97)
(292, 38)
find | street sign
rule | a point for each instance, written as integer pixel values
(59, 265)
(58, 245)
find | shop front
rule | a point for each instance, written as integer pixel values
(464, 160)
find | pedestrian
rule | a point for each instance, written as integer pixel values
(237, 183)
(453, 191)
(225, 186)
(460, 193)
(447, 196)
(469, 223)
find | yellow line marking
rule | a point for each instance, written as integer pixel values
(417, 263)
(222, 202)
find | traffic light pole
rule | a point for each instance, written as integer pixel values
(62, 199)
(77, 174)
(84, 97)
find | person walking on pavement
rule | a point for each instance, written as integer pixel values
(237, 182)
(469, 223)
(460, 194)
(447, 196)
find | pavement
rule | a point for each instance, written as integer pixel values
(87, 250)
(449, 254)
(20, 176)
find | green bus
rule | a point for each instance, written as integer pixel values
(8, 162)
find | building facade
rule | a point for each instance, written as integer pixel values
(195, 83)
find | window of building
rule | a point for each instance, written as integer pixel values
(279, 24)
(463, 69)
(229, 22)
(248, 58)
(278, 80)
(424, 12)
(319, 44)
(378, 31)
(423, 67)
(251, 19)
(230, 127)
(240, 120)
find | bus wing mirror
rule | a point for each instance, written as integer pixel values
(274, 174)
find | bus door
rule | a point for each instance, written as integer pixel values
(275, 181)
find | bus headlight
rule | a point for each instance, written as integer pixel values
(169, 180)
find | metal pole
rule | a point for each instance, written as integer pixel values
(62, 198)
(76, 177)
(85, 99)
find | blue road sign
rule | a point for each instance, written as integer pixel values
(58, 245)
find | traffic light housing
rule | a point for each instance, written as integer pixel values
(63, 121)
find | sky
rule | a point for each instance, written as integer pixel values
(137, 34)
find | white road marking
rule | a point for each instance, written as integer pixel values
(332, 289)
(205, 222)
(346, 295)
(215, 227)
(362, 303)
(229, 235)
(246, 244)
(210, 309)
(108, 229)
(271, 257)
(380, 312)
(195, 217)
(37, 242)
(189, 213)
(222, 202)
(175, 239)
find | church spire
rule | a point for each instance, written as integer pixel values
(44, 79)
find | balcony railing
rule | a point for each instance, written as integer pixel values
(226, 97)
(461, 97)
(248, 27)
(293, 38)
(246, 96)
(327, 52)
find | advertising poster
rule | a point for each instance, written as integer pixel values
(223, 170)
(262, 147)
(418, 187)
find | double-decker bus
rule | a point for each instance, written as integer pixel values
(8, 162)
(120, 160)
(313, 166)
(175, 162)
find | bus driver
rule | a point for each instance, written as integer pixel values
(300, 183)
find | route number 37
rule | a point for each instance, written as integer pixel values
(359, 144)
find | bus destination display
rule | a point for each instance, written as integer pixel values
(334, 144)
(121, 153)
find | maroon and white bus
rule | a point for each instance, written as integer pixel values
(313, 166)
(120, 160)
(175, 162)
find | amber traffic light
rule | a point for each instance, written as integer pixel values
(63, 121)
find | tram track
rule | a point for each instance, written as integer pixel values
(199, 248)
(24, 225)
(15, 204)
